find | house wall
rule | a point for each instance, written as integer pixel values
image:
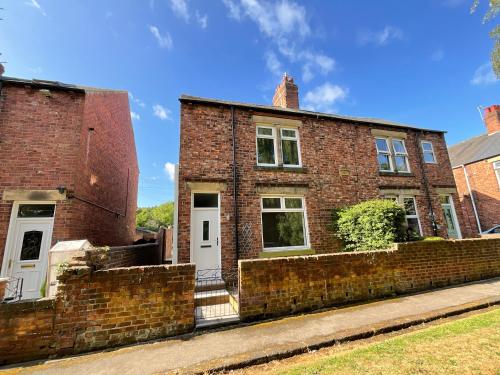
(281, 286)
(339, 169)
(486, 191)
(43, 145)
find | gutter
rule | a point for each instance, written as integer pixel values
(235, 186)
(472, 199)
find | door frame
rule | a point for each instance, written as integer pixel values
(12, 232)
(191, 226)
(454, 216)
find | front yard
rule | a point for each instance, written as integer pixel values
(466, 346)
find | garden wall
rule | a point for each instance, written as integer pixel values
(281, 286)
(100, 309)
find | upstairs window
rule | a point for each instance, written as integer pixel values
(428, 152)
(266, 146)
(392, 155)
(496, 168)
(268, 152)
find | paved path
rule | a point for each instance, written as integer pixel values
(248, 343)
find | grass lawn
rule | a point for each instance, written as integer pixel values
(466, 346)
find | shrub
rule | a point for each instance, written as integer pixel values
(370, 225)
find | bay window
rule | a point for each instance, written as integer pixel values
(283, 223)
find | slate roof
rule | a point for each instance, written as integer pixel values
(478, 148)
(52, 85)
(292, 111)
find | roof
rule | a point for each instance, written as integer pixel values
(54, 85)
(292, 111)
(478, 148)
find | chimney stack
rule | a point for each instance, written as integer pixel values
(492, 118)
(286, 94)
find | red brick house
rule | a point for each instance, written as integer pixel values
(275, 173)
(68, 170)
(476, 167)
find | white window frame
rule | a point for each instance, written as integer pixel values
(496, 169)
(275, 145)
(297, 139)
(306, 245)
(404, 154)
(388, 153)
(428, 152)
(400, 200)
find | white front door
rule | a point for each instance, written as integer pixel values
(205, 231)
(28, 244)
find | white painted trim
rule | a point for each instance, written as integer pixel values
(417, 215)
(12, 231)
(175, 251)
(496, 170)
(191, 231)
(388, 153)
(296, 139)
(404, 154)
(274, 137)
(422, 142)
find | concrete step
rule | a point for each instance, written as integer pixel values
(211, 297)
(215, 315)
(205, 285)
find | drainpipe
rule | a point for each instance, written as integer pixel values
(426, 184)
(472, 199)
(235, 185)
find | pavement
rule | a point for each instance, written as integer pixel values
(249, 344)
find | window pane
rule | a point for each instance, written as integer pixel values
(206, 200)
(429, 157)
(281, 229)
(444, 199)
(398, 146)
(382, 144)
(265, 131)
(413, 226)
(383, 162)
(206, 230)
(290, 152)
(293, 202)
(427, 147)
(496, 165)
(265, 151)
(36, 210)
(401, 163)
(271, 202)
(32, 242)
(409, 205)
(288, 133)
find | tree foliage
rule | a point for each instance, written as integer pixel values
(492, 13)
(154, 217)
(370, 225)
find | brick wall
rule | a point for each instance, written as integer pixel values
(281, 286)
(328, 147)
(94, 310)
(45, 142)
(135, 255)
(486, 192)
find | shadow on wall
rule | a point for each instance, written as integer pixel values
(488, 209)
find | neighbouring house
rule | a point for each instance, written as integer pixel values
(476, 167)
(260, 181)
(68, 170)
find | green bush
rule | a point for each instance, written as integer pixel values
(370, 225)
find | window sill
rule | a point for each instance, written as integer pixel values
(398, 174)
(285, 253)
(280, 169)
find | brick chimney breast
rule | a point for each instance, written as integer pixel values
(286, 94)
(492, 118)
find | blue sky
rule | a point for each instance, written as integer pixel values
(421, 62)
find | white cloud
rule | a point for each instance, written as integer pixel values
(137, 101)
(324, 97)
(35, 4)
(380, 38)
(134, 116)
(313, 62)
(202, 20)
(164, 41)
(234, 9)
(437, 55)
(180, 8)
(170, 170)
(161, 112)
(273, 64)
(484, 75)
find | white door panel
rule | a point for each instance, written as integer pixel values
(205, 229)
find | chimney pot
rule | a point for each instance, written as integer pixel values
(491, 117)
(286, 94)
